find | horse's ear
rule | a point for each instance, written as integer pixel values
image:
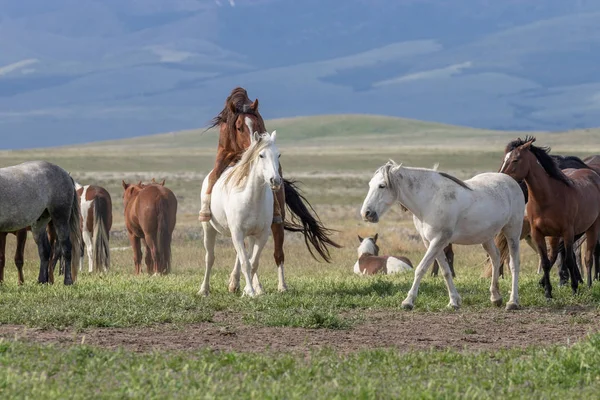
(139, 183)
(232, 107)
(360, 239)
(255, 137)
(254, 105)
(375, 238)
(163, 182)
(125, 185)
(273, 135)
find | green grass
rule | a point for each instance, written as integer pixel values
(38, 371)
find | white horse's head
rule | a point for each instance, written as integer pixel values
(381, 195)
(268, 158)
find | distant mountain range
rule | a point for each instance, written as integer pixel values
(74, 71)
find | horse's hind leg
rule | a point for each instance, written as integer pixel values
(234, 278)
(591, 237)
(515, 266)
(210, 236)
(137, 252)
(597, 261)
(494, 253)
(38, 229)
(20, 254)
(2, 254)
(148, 259)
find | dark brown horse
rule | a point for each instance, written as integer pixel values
(561, 204)
(150, 214)
(237, 121)
(96, 217)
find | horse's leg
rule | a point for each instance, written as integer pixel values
(148, 259)
(258, 247)
(210, 236)
(151, 245)
(449, 252)
(20, 254)
(137, 252)
(38, 229)
(2, 254)
(234, 278)
(591, 237)
(238, 242)
(597, 261)
(436, 246)
(435, 269)
(570, 261)
(455, 299)
(531, 244)
(494, 253)
(540, 240)
(278, 239)
(87, 239)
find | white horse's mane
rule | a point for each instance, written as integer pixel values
(241, 170)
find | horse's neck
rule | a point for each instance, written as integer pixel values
(418, 191)
(540, 186)
(254, 187)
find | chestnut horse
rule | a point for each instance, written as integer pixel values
(561, 204)
(96, 217)
(238, 120)
(150, 214)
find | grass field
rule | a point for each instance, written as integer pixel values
(68, 341)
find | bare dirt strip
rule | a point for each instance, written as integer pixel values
(470, 331)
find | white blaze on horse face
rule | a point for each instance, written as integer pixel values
(249, 124)
(506, 158)
(379, 199)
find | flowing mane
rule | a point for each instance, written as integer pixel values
(242, 169)
(544, 158)
(239, 98)
(385, 170)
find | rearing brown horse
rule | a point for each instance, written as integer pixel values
(561, 204)
(237, 121)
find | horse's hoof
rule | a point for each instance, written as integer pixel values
(498, 302)
(282, 289)
(68, 283)
(203, 293)
(562, 282)
(407, 306)
(510, 306)
(233, 289)
(454, 307)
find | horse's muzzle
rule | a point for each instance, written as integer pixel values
(275, 184)
(370, 216)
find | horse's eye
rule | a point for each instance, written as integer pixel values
(261, 155)
(382, 186)
(279, 156)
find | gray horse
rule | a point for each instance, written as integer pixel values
(33, 194)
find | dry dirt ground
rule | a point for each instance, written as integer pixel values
(470, 331)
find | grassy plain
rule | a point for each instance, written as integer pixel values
(334, 157)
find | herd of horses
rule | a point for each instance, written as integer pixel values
(533, 196)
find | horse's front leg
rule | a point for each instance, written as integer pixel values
(540, 241)
(238, 242)
(257, 248)
(436, 246)
(210, 236)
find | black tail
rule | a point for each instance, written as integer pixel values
(305, 219)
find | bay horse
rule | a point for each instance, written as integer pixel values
(562, 204)
(371, 263)
(150, 215)
(237, 121)
(96, 215)
(242, 207)
(33, 194)
(449, 210)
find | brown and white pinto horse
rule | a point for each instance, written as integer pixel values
(96, 221)
(150, 214)
(371, 263)
(237, 121)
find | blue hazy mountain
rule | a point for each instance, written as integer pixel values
(83, 70)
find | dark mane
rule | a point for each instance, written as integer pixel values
(238, 97)
(546, 161)
(565, 162)
(455, 180)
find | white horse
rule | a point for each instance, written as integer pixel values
(447, 210)
(242, 207)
